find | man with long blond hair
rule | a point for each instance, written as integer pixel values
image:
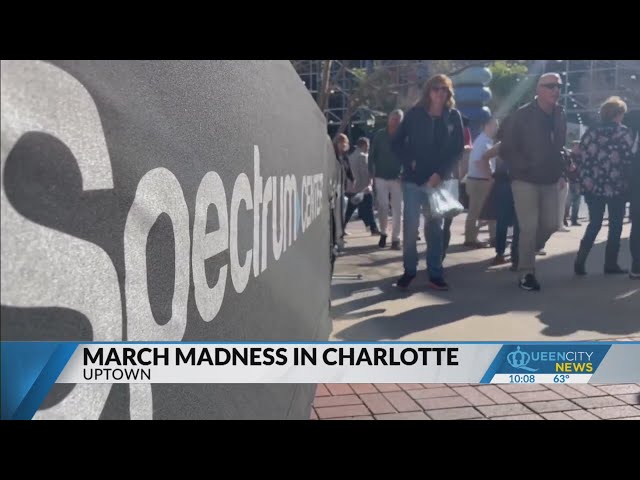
(428, 143)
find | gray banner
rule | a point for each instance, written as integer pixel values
(164, 200)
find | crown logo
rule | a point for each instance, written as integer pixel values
(520, 360)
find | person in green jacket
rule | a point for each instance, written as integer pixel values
(384, 168)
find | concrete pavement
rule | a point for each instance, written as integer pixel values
(484, 304)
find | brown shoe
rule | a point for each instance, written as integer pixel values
(498, 260)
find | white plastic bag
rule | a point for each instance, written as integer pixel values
(442, 202)
(453, 187)
(357, 198)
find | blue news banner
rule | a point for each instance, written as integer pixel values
(30, 369)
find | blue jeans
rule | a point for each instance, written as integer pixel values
(416, 201)
(506, 216)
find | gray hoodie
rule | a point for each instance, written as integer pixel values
(359, 163)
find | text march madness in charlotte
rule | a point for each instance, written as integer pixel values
(117, 363)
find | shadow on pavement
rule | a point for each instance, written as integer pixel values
(388, 260)
(357, 250)
(607, 304)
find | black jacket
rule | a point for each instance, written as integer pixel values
(343, 162)
(421, 150)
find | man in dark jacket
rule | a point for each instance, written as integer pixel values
(428, 142)
(532, 147)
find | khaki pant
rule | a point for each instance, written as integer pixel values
(384, 190)
(478, 191)
(537, 212)
(563, 193)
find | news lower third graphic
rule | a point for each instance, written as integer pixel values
(546, 363)
(30, 369)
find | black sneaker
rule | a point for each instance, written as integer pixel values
(438, 284)
(405, 280)
(576, 224)
(395, 245)
(529, 283)
(579, 268)
(383, 241)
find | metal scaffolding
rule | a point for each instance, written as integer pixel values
(588, 83)
(404, 75)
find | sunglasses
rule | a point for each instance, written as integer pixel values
(551, 86)
(440, 89)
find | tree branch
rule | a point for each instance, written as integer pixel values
(354, 103)
(323, 95)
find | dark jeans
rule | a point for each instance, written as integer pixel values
(573, 202)
(634, 239)
(332, 241)
(365, 211)
(446, 236)
(506, 216)
(616, 207)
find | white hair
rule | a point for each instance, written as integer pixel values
(545, 76)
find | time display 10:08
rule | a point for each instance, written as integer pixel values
(522, 379)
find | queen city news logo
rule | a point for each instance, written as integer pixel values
(551, 361)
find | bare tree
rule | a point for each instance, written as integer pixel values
(323, 94)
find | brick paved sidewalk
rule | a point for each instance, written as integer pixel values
(476, 402)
